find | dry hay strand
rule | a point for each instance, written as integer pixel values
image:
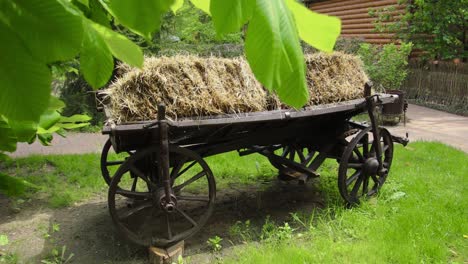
(190, 86)
(334, 77)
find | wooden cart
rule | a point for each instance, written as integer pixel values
(163, 190)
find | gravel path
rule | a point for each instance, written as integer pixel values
(424, 124)
(74, 143)
(432, 125)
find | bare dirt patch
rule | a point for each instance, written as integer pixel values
(88, 232)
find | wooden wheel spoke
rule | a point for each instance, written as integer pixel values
(356, 187)
(309, 158)
(186, 216)
(285, 152)
(114, 163)
(355, 165)
(375, 179)
(139, 173)
(300, 153)
(136, 209)
(175, 170)
(131, 194)
(360, 157)
(353, 177)
(292, 154)
(191, 180)
(365, 146)
(185, 169)
(365, 185)
(169, 230)
(193, 198)
(134, 184)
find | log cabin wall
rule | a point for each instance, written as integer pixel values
(356, 21)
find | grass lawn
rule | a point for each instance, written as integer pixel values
(420, 215)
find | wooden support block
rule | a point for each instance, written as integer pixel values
(166, 255)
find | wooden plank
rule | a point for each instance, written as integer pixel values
(357, 6)
(366, 15)
(352, 11)
(256, 117)
(334, 3)
(370, 35)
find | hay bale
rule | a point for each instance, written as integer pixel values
(335, 77)
(192, 86)
(188, 86)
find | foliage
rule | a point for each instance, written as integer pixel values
(215, 243)
(189, 30)
(436, 27)
(274, 233)
(79, 97)
(386, 65)
(58, 257)
(349, 45)
(41, 33)
(51, 121)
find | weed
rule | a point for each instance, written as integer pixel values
(3, 240)
(215, 243)
(242, 230)
(9, 258)
(273, 233)
(57, 257)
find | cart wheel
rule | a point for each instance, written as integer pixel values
(358, 173)
(107, 162)
(143, 219)
(301, 155)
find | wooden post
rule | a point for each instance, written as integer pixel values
(166, 255)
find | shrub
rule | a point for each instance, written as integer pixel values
(387, 65)
(79, 98)
(349, 45)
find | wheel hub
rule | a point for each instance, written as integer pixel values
(371, 166)
(164, 204)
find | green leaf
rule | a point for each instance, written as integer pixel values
(203, 5)
(3, 240)
(71, 125)
(51, 31)
(25, 131)
(25, 82)
(177, 5)
(49, 119)
(84, 2)
(141, 16)
(50, 130)
(98, 13)
(274, 53)
(8, 137)
(45, 139)
(55, 104)
(320, 31)
(120, 46)
(230, 15)
(96, 61)
(75, 119)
